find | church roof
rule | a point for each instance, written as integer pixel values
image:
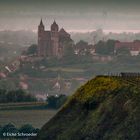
(63, 32)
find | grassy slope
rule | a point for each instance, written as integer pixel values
(103, 109)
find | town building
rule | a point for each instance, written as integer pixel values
(133, 47)
(50, 43)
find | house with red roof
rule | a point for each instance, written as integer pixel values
(134, 47)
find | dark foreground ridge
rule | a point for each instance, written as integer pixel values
(105, 108)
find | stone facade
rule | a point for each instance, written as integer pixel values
(49, 42)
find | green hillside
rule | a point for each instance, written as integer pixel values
(105, 108)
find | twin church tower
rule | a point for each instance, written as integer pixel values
(50, 43)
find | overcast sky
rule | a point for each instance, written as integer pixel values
(74, 15)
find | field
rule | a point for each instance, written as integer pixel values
(36, 118)
(67, 69)
(19, 114)
(23, 106)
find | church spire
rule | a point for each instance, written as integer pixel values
(41, 27)
(41, 22)
(54, 22)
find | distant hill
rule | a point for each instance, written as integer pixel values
(105, 108)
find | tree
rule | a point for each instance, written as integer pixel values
(51, 100)
(69, 56)
(68, 51)
(124, 51)
(27, 128)
(32, 49)
(3, 98)
(110, 45)
(105, 48)
(61, 100)
(81, 44)
(100, 47)
(15, 96)
(56, 102)
(9, 128)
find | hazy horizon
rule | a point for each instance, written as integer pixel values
(80, 16)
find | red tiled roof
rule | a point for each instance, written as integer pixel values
(132, 46)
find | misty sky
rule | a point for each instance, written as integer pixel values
(74, 15)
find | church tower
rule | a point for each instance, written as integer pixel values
(50, 42)
(41, 44)
(55, 39)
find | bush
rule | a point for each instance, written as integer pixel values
(56, 102)
(11, 129)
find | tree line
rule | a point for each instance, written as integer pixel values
(15, 96)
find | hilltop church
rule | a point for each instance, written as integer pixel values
(50, 43)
